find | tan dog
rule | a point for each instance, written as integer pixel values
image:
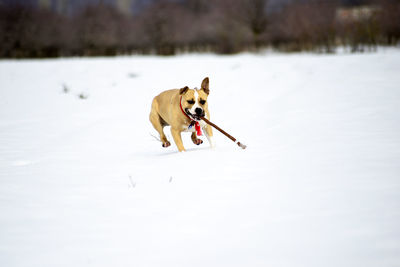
(182, 110)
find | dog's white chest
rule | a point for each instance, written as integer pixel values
(188, 128)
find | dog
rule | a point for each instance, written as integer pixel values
(182, 109)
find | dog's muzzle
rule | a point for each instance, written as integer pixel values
(199, 113)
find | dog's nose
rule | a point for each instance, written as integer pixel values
(198, 111)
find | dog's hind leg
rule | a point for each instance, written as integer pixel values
(158, 124)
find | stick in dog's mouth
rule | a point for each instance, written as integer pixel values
(194, 116)
(225, 133)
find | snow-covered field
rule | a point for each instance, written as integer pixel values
(84, 183)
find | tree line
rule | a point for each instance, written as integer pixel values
(220, 26)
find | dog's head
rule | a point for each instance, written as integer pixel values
(194, 101)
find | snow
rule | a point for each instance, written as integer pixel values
(84, 183)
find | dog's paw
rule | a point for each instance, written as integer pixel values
(198, 142)
(166, 144)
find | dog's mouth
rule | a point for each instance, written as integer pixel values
(196, 117)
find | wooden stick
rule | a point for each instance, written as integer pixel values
(225, 133)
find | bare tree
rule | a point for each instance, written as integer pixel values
(253, 14)
(245, 17)
(360, 28)
(27, 32)
(97, 30)
(309, 25)
(160, 22)
(389, 20)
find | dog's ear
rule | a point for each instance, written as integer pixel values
(204, 85)
(183, 90)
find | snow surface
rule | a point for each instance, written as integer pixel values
(84, 183)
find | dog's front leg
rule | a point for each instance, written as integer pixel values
(209, 134)
(196, 140)
(176, 134)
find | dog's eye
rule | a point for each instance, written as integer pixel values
(202, 102)
(191, 102)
